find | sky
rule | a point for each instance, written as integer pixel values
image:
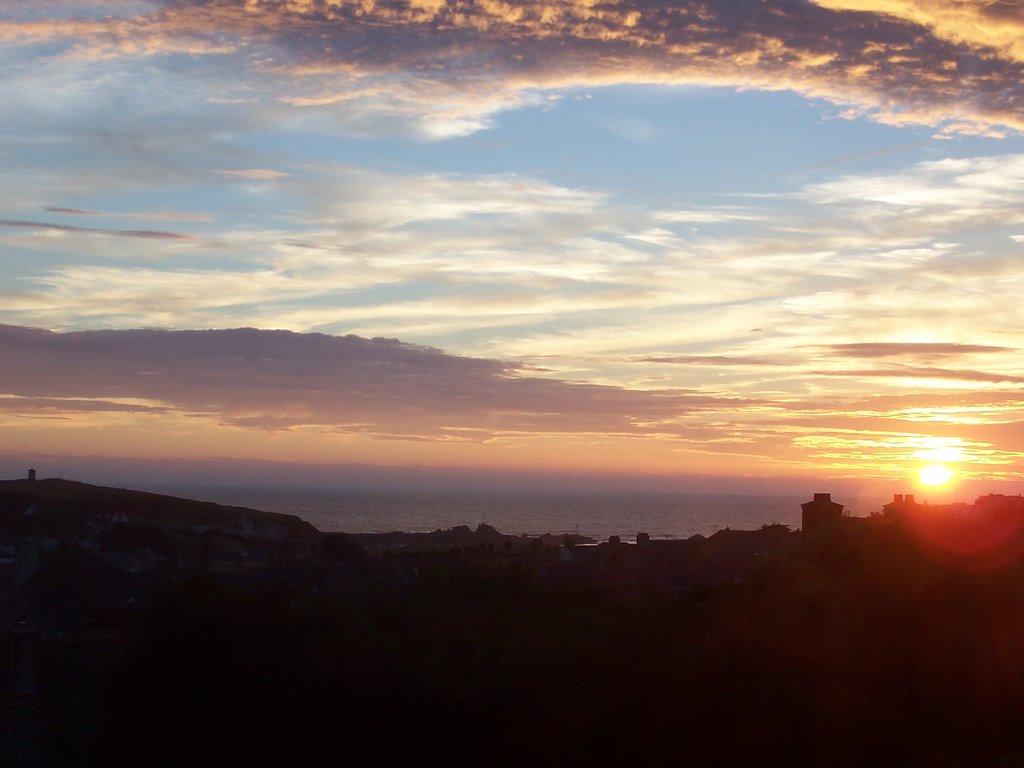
(688, 244)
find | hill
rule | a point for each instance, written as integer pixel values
(64, 508)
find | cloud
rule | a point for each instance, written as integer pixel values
(278, 379)
(942, 194)
(944, 374)
(712, 360)
(72, 211)
(43, 406)
(913, 349)
(545, 269)
(152, 215)
(255, 174)
(145, 234)
(267, 393)
(914, 266)
(447, 67)
(980, 23)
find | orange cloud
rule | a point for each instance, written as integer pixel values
(977, 23)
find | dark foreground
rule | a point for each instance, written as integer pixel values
(858, 649)
(855, 645)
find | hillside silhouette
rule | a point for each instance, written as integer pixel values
(65, 507)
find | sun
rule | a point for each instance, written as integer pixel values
(934, 475)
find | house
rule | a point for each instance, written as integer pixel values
(61, 630)
(901, 504)
(821, 509)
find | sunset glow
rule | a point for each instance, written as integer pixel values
(740, 240)
(935, 475)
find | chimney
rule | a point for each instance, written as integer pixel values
(31, 474)
(909, 498)
(823, 497)
(897, 498)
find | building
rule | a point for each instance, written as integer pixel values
(900, 504)
(821, 509)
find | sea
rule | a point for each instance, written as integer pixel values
(596, 515)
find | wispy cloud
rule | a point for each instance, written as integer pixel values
(424, 255)
(912, 349)
(63, 406)
(711, 360)
(254, 174)
(917, 372)
(72, 211)
(151, 215)
(145, 234)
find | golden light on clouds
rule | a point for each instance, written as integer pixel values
(939, 449)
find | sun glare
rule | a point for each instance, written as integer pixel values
(935, 475)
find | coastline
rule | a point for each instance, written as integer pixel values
(595, 515)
